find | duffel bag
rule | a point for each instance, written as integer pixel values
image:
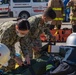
(37, 67)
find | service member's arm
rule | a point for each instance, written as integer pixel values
(25, 48)
(47, 32)
(24, 44)
(6, 39)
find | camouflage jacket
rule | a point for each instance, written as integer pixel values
(37, 28)
(9, 37)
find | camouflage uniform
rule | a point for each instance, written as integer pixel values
(36, 30)
(72, 5)
(58, 7)
(32, 39)
(9, 37)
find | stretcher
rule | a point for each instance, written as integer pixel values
(61, 35)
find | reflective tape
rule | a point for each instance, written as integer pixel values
(57, 8)
(63, 14)
(48, 67)
(58, 19)
(73, 18)
(72, 7)
(49, 48)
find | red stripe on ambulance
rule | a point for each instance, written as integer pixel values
(38, 10)
(3, 8)
(0, 8)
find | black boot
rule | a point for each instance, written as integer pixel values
(73, 28)
(58, 27)
(52, 27)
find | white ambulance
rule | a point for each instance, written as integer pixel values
(26, 8)
(4, 7)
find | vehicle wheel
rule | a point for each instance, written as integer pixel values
(24, 15)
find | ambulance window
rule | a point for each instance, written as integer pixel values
(21, 0)
(40, 0)
(5, 1)
(46, 0)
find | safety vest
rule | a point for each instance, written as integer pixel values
(58, 9)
